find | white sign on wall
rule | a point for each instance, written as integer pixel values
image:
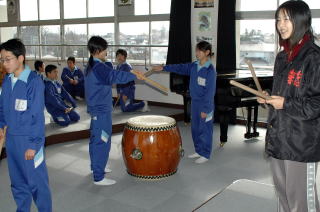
(204, 24)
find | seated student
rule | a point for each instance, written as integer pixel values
(39, 67)
(126, 91)
(73, 79)
(55, 96)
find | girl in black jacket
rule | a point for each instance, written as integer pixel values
(293, 135)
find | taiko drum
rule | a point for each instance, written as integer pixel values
(151, 146)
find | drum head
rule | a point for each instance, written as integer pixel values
(151, 121)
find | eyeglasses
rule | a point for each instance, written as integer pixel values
(6, 60)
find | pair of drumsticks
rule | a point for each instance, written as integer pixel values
(256, 81)
(150, 82)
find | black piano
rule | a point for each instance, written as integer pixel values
(227, 99)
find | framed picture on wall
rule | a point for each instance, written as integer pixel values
(124, 2)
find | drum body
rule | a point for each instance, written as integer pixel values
(151, 146)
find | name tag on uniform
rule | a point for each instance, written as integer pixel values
(104, 136)
(127, 102)
(76, 77)
(38, 158)
(21, 105)
(59, 90)
(201, 81)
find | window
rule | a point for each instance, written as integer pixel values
(134, 33)
(100, 8)
(161, 7)
(256, 43)
(141, 7)
(49, 9)
(3, 11)
(50, 35)
(104, 30)
(75, 9)
(7, 33)
(30, 36)
(316, 29)
(159, 36)
(256, 5)
(313, 4)
(74, 35)
(28, 10)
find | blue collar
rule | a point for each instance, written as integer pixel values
(207, 64)
(49, 80)
(23, 75)
(97, 60)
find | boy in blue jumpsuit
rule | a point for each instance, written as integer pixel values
(98, 87)
(202, 90)
(55, 97)
(126, 91)
(39, 67)
(73, 79)
(21, 110)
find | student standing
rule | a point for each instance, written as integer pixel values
(55, 97)
(98, 91)
(21, 110)
(202, 90)
(293, 136)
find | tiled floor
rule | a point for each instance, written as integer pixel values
(73, 190)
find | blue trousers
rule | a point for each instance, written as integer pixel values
(75, 90)
(29, 178)
(130, 106)
(100, 143)
(201, 130)
(64, 119)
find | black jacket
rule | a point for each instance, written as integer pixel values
(294, 132)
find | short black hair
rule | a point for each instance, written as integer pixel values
(300, 16)
(122, 52)
(204, 46)
(71, 58)
(15, 46)
(38, 64)
(50, 68)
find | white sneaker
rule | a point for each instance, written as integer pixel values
(105, 182)
(107, 170)
(201, 160)
(145, 107)
(78, 98)
(194, 155)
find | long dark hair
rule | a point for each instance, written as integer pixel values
(95, 45)
(204, 46)
(300, 16)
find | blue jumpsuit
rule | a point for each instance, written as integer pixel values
(76, 74)
(55, 96)
(127, 90)
(202, 90)
(21, 110)
(98, 92)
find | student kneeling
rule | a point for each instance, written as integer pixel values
(55, 96)
(126, 91)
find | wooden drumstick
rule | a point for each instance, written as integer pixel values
(153, 83)
(148, 73)
(2, 140)
(250, 90)
(255, 79)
